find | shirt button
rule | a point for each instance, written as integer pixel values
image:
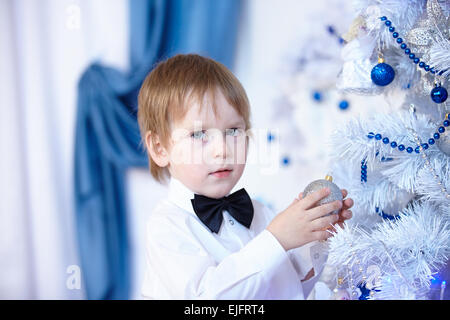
(231, 222)
(316, 256)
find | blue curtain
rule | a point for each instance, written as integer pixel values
(107, 134)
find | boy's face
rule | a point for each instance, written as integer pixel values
(202, 144)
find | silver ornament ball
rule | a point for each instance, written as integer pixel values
(335, 194)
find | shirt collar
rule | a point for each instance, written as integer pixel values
(180, 195)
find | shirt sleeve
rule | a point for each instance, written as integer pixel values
(309, 256)
(186, 271)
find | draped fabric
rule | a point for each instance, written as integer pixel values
(107, 139)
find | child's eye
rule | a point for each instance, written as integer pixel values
(199, 135)
(234, 132)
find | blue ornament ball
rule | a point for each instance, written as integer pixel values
(317, 96)
(343, 105)
(285, 161)
(439, 94)
(382, 74)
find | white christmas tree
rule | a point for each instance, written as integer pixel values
(396, 166)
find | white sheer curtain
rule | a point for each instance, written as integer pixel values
(44, 47)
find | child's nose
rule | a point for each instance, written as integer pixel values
(220, 146)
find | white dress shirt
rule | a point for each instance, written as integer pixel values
(185, 260)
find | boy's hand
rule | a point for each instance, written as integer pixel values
(344, 213)
(303, 221)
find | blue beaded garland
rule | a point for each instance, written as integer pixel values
(363, 171)
(438, 94)
(401, 147)
(385, 216)
(382, 74)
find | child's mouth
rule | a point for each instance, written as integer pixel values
(221, 173)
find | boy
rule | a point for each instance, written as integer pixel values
(202, 241)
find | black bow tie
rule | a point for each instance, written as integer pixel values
(209, 210)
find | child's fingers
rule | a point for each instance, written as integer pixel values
(298, 198)
(348, 203)
(324, 209)
(344, 193)
(324, 222)
(311, 199)
(346, 214)
(322, 235)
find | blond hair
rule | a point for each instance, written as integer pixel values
(164, 92)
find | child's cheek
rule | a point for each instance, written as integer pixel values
(182, 154)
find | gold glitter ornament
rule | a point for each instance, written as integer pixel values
(357, 24)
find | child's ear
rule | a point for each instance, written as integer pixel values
(157, 151)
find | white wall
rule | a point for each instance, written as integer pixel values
(45, 46)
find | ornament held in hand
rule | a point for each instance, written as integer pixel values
(335, 192)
